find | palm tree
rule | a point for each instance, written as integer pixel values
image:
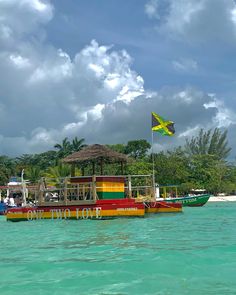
(46, 159)
(57, 174)
(78, 144)
(24, 161)
(64, 149)
(33, 174)
(59, 171)
(7, 169)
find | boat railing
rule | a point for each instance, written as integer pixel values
(169, 191)
(88, 189)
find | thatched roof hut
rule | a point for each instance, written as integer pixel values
(96, 153)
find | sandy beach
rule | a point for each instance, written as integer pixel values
(222, 199)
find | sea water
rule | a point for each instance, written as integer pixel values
(193, 252)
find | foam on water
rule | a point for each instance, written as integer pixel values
(186, 253)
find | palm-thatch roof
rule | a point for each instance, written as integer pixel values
(96, 153)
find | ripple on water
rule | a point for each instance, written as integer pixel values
(190, 253)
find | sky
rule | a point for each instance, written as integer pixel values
(97, 69)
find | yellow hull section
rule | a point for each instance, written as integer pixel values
(77, 214)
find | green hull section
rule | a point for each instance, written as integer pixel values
(191, 201)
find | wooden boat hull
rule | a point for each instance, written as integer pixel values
(102, 209)
(190, 201)
(162, 207)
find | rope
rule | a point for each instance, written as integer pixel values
(164, 203)
(146, 205)
(167, 205)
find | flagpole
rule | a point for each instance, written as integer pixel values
(153, 170)
(165, 128)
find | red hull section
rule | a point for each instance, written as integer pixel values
(102, 209)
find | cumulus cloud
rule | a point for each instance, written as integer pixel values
(22, 17)
(224, 117)
(200, 21)
(47, 95)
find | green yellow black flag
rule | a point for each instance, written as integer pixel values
(160, 125)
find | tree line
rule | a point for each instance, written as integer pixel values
(200, 163)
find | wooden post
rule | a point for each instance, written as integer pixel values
(35, 196)
(83, 191)
(65, 191)
(94, 192)
(153, 184)
(41, 190)
(122, 167)
(164, 190)
(93, 168)
(101, 166)
(72, 171)
(176, 192)
(77, 192)
(129, 187)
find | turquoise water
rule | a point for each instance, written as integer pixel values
(186, 253)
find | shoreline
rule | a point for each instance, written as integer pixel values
(222, 199)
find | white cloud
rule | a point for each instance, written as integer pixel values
(40, 135)
(98, 70)
(185, 65)
(224, 117)
(23, 16)
(37, 4)
(189, 132)
(57, 68)
(96, 111)
(47, 95)
(185, 96)
(54, 95)
(233, 15)
(19, 61)
(182, 13)
(132, 89)
(198, 21)
(151, 9)
(112, 80)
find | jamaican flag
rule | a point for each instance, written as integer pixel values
(162, 126)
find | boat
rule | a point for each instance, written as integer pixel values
(196, 198)
(13, 194)
(190, 200)
(101, 209)
(3, 208)
(92, 197)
